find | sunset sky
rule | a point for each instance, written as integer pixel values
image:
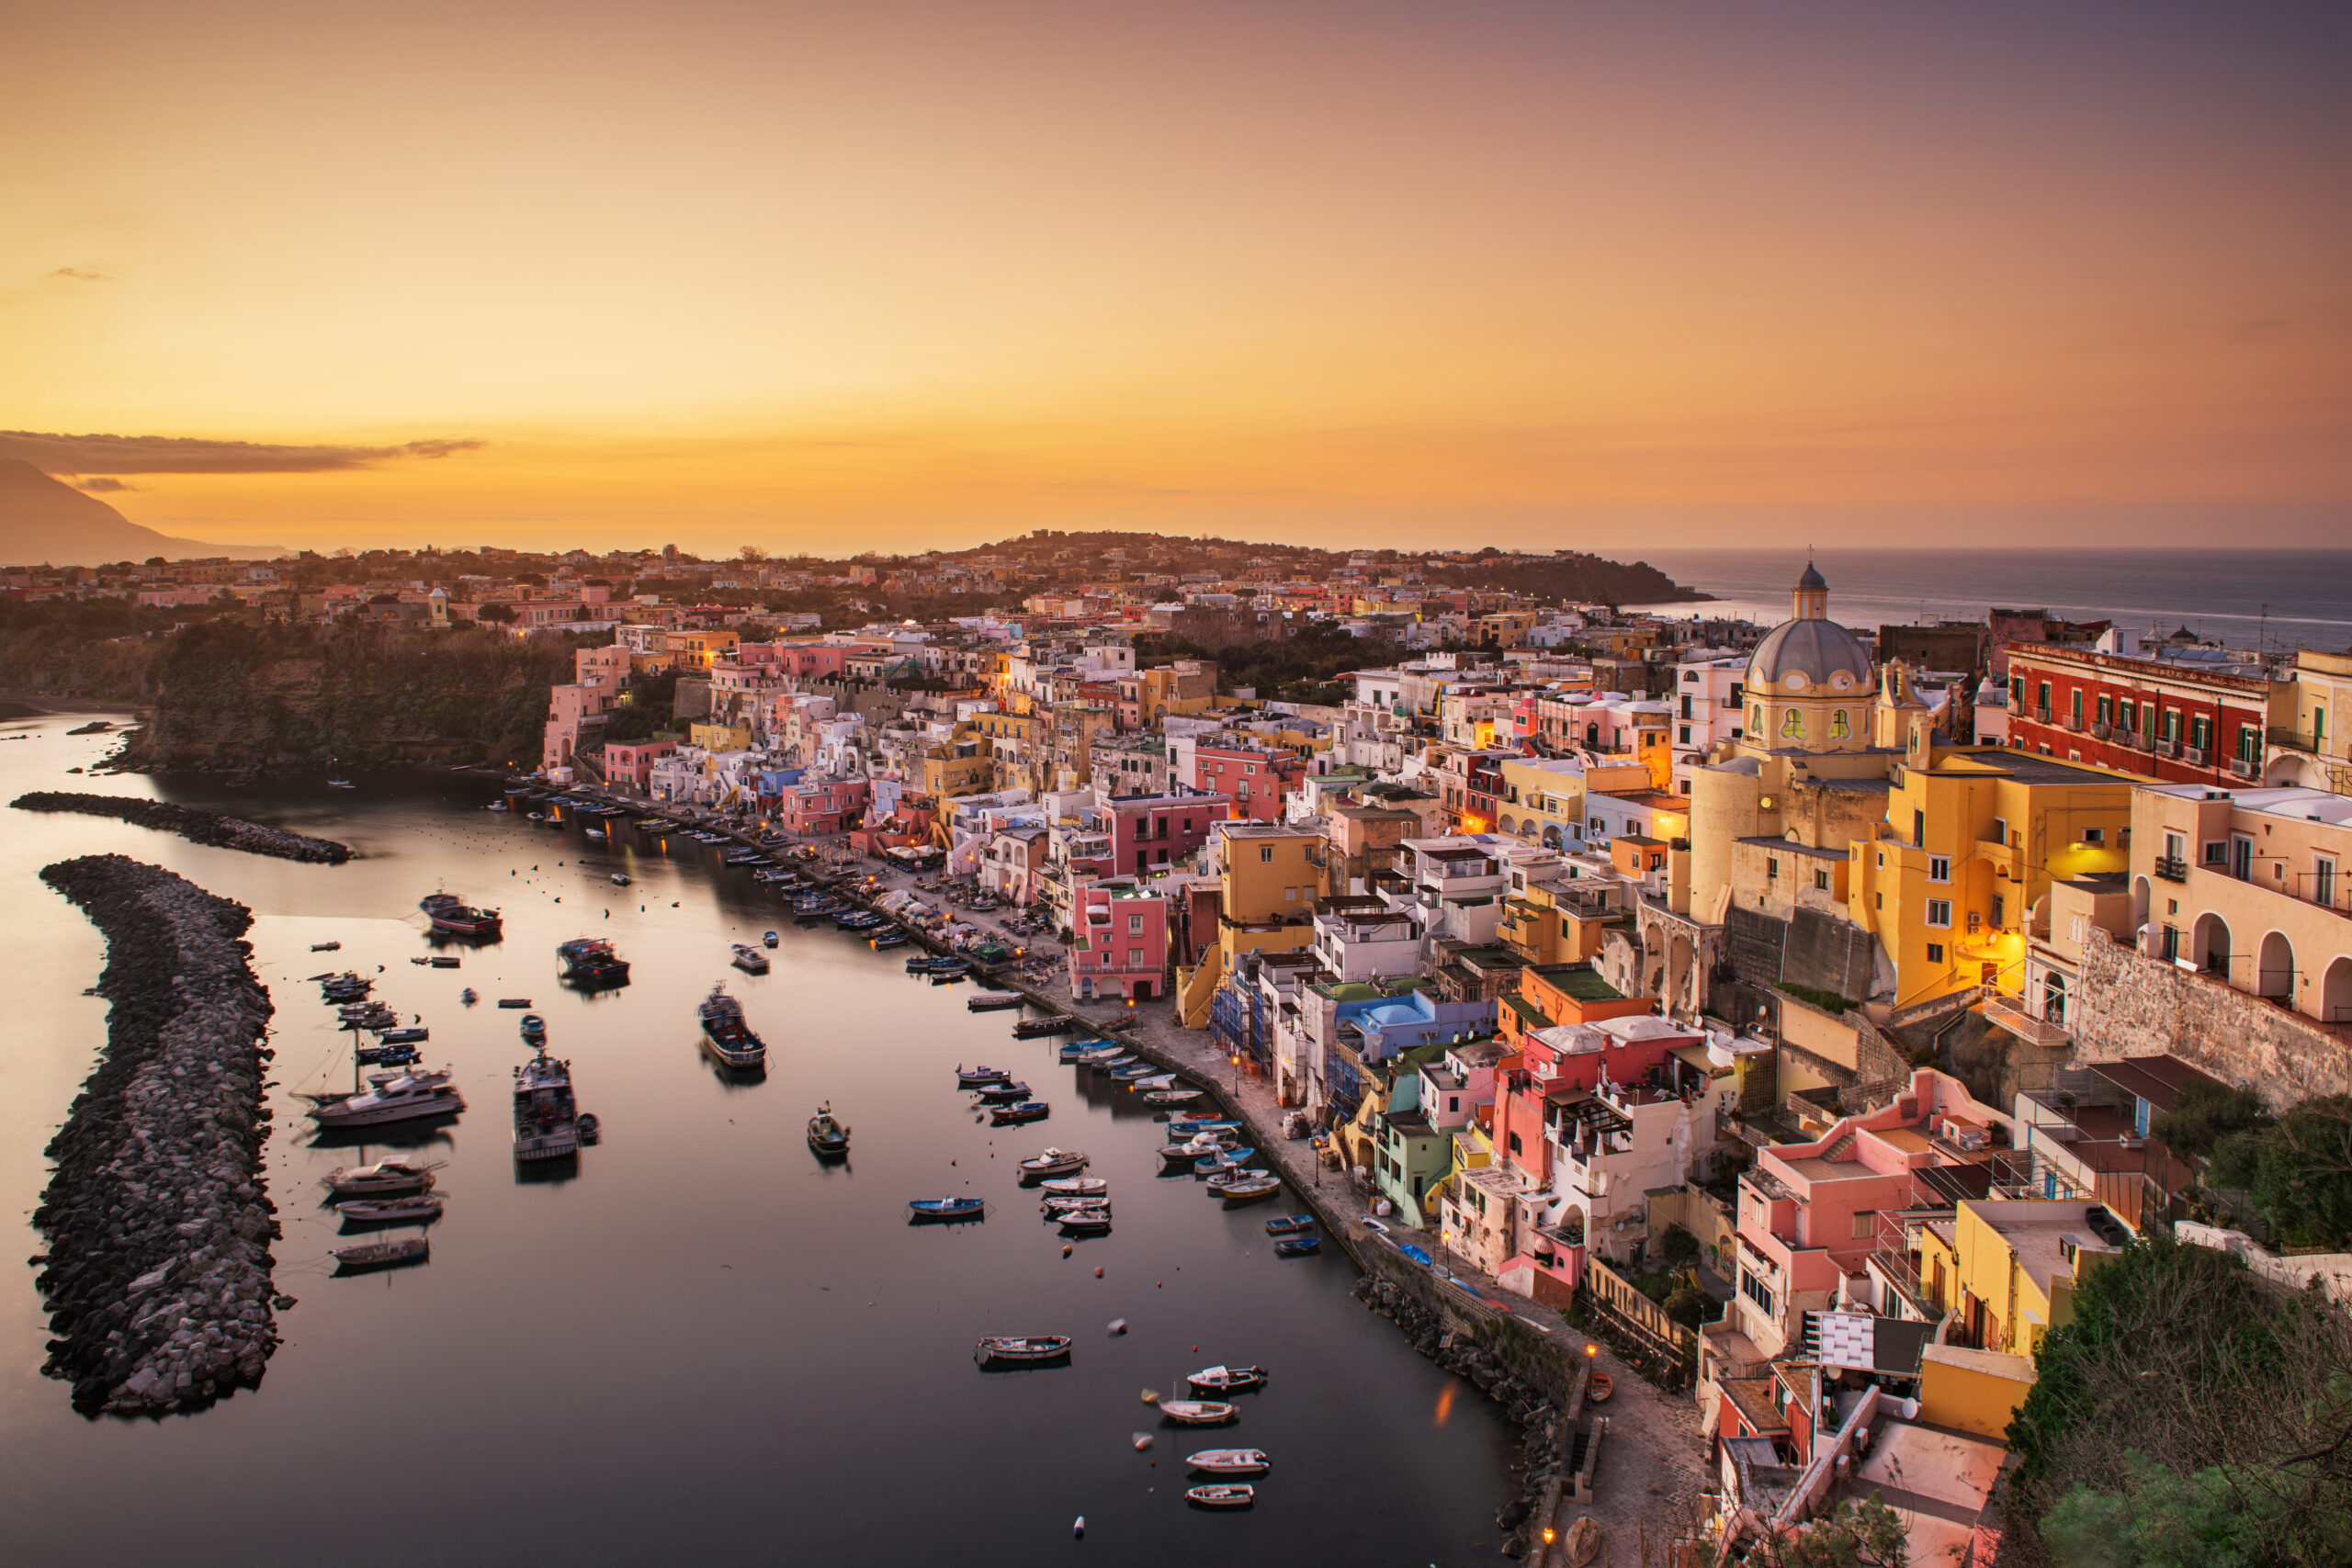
(924, 272)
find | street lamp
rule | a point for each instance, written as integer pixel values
(1235, 1060)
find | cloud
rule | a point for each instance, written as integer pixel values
(84, 275)
(195, 454)
(103, 486)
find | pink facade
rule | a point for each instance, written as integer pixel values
(631, 762)
(1254, 777)
(1572, 1059)
(831, 806)
(567, 705)
(1151, 832)
(813, 660)
(1121, 947)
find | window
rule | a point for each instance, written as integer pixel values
(2042, 705)
(2201, 732)
(2000, 831)
(1792, 726)
(1865, 1224)
(1514, 1142)
(1756, 1291)
(2106, 710)
(1918, 830)
(2094, 835)
(1135, 925)
(1940, 912)
(1265, 854)
(1935, 953)
(1772, 868)
(1821, 881)
(2075, 930)
(1840, 726)
(1940, 868)
(1290, 894)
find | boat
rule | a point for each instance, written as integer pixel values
(1154, 1082)
(1298, 1247)
(726, 1035)
(514, 1001)
(1597, 1391)
(1128, 1072)
(925, 1210)
(1185, 1154)
(1002, 1093)
(1086, 1222)
(990, 1002)
(1053, 1205)
(886, 940)
(768, 939)
(827, 1136)
(446, 961)
(1226, 1380)
(750, 959)
(381, 1255)
(327, 947)
(430, 1075)
(452, 916)
(1237, 1496)
(390, 1055)
(340, 784)
(1197, 1412)
(1194, 1126)
(1022, 1350)
(620, 879)
(1076, 1187)
(590, 963)
(594, 832)
(1227, 1159)
(1014, 1115)
(1053, 1162)
(469, 995)
(1244, 1186)
(1071, 1050)
(534, 1027)
(382, 1180)
(403, 1099)
(545, 1116)
(1037, 1027)
(390, 1211)
(1098, 1052)
(345, 988)
(742, 857)
(1229, 1462)
(1290, 1224)
(980, 1076)
(1172, 1097)
(929, 965)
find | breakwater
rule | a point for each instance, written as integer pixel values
(158, 1270)
(198, 827)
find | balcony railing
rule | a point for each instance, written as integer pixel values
(2100, 729)
(2172, 868)
(2294, 739)
(2013, 1018)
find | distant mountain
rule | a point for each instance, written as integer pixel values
(45, 521)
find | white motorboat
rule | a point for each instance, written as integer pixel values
(1053, 1162)
(1147, 1085)
(1226, 1380)
(422, 1075)
(405, 1098)
(750, 959)
(1235, 1496)
(1229, 1462)
(381, 1179)
(1077, 1187)
(1197, 1412)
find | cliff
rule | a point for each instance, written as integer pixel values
(277, 697)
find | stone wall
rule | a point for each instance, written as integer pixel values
(2131, 1005)
(1811, 949)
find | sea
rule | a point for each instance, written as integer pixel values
(2273, 601)
(699, 1344)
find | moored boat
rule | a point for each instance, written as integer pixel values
(1075, 1187)
(980, 1076)
(590, 962)
(404, 1099)
(452, 916)
(383, 1179)
(1172, 1097)
(769, 939)
(750, 959)
(990, 1002)
(1037, 1027)
(1022, 1350)
(1053, 1162)
(1014, 1115)
(545, 1116)
(1002, 1093)
(1290, 1224)
(1244, 1187)
(1298, 1247)
(1052, 1207)
(922, 1211)
(392, 1055)
(1229, 1462)
(1226, 1380)
(1197, 1412)
(827, 1135)
(534, 1027)
(390, 1211)
(1233, 1496)
(1086, 1222)
(381, 1255)
(725, 1033)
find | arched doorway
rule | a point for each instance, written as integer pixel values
(2335, 991)
(2142, 896)
(2209, 945)
(2274, 973)
(1681, 998)
(1552, 836)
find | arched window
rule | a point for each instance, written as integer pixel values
(1840, 728)
(1756, 720)
(1792, 726)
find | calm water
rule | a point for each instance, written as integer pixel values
(705, 1347)
(2282, 599)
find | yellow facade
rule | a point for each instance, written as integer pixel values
(701, 649)
(962, 766)
(718, 738)
(1972, 840)
(2006, 1270)
(1972, 1391)
(1267, 888)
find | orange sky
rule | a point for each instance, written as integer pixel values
(834, 276)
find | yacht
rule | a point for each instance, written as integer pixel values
(405, 1098)
(545, 1115)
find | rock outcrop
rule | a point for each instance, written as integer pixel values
(158, 1269)
(198, 826)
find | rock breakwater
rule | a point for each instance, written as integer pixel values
(158, 1269)
(199, 826)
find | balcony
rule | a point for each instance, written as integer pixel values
(2074, 722)
(2294, 739)
(2172, 868)
(2100, 730)
(2042, 715)
(2012, 1016)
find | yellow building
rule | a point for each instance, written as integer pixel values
(701, 649)
(958, 766)
(1186, 688)
(1269, 879)
(719, 737)
(1560, 921)
(2006, 1270)
(1972, 1391)
(1969, 844)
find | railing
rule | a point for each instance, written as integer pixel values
(2074, 722)
(2172, 868)
(2013, 1018)
(2042, 715)
(2100, 729)
(2294, 739)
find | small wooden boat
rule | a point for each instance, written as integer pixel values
(620, 879)
(586, 1128)
(468, 997)
(1015, 1115)
(931, 1211)
(534, 1026)
(1172, 1097)
(1076, 1187)
(327, 947)
(1226, 1380)
(1597, 1391)
(980, 1076)
(1229, 1462)
(445, 961)
(889, 938)
(750, 959)
(388, 1055)
(1038, 1027)
(1290, 1224)
(1071, 1050)
(827, 1136)
(1051, 1207)
(514, 1001)
(1237, 1496)
(1022, 1350)
(1244, 1187)
(1086, 1222)
(1197, 1412)
(1097, 1054)
(1053, 1162)
(390, 1211)
(381, 1255)
(1582, 1543)
(594, 832)
(382, 1180)
(411, 1035)
(1002, 1093)
(990, 1002)
(1152, 1083)
(1227, 1161)
(1128, 1072)
(1298, 1247)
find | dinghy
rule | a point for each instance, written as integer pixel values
(1022, 1350)
(1232, 1497)
(1229, 1462)
(1197, 1412)
(924, 1211)
(1226, 1380)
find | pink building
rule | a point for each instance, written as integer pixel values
(813, 660)
(830, 806)
(631, 761)
(1151, 832)
(1121, 948)
(1254, 777)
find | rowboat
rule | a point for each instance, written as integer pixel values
(381, 1255)
(1052, 1207)
(1002, 1093)
(990, 1002)
(1221, 1497)
(1298, 1247)
(1022, 1350)
(1290, 1224)
(980, 1076)
(1035, 1028)
(1014, 1115)
(1226, 1161)
(926, 1210)
(1226, 1380)
(1244, 1187)
(1077, 1187)
(390, 1211)
(1599, 1390)
(1197, 1412)
(1086, 1222)
(1172, 1097)
(1229, 1462)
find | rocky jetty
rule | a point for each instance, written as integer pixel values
(199, 826)
(158, 1269)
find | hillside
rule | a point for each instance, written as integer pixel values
(44, 521)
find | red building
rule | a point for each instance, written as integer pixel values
(2176, 721)
(1151, 832)
(1255, 776)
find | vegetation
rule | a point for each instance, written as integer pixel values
(2297, 1170)
(1827, 1001)
(2203, 1114)
(2190, 1413)
(1297, 669)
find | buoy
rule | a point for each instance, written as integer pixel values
(1067, 1251)
(1142, 1441)
(1098, 1270)
(1079, 1530)
(1118, 1325)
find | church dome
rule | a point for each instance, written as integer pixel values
(1810, 652)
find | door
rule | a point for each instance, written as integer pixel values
(2241, 859)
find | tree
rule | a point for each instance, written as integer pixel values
(752, 553)
(2204, 1113)
(1688, 1304)
(2164, 1520)
(2299, 1170)
(502, 614)
(1867, 1534)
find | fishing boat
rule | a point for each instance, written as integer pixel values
(514, 1001)
(990, 1002)
(742, 857)
(768, 939)
(392, 1055)
(1290, 1224)
(1298, 1247)
(1052, 1207)
(827, 1135)
(422, 1075)
(390, 1211)
(1071, 1050)
(1172, 1097)
(726, 1035)
(1098, 1052)
(750, 959)
(1037, 1027)
(1086, 1222)
(1015, 1115)
(1128, 1072)
(930, 1211)
(886, 940)
(452, 916)
(1197, 1412)
(1229, 1462)
(980, 1076)
(1226, 1380)
(1184, 1155)
(1244, 1186)
(383, 1179)
(403, 1099)
(1053, 1162)
(534, 1027)
(381, 1255)
(1002, 1093)
(345, 988)
(1022, 1350)
(590, 963)
(1233, 1496)
(327, 947)
(1147, 1085)
(546, 1117)
(1227, 1161)
(620, 879)
(1076, 1187)
(929, 965)
(1194, 1126)
(446, 961)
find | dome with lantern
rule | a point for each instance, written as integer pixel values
(1804, 674)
